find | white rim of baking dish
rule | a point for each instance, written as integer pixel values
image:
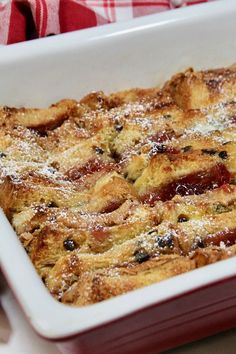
(50, 318)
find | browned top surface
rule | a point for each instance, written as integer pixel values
(116, 192)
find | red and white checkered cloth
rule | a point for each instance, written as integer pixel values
(22, 20)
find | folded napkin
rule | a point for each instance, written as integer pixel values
(30, 19)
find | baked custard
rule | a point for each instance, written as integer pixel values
(112, 193)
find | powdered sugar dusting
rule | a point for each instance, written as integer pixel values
(92, 230)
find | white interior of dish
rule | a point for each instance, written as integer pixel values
(141, 53)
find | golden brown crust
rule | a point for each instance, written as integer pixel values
(193, 90)
(116, 192)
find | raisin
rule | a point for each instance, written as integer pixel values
(99, 150)
(200, 243)
(223, 155)
(158, 149)
(182, 218)
(152, 232)
(42, 133)
(209, 151)
(141, 256)
(213, 83)
(69, 245)
(165, 241)
(52, 205)
(118, 127)
(187, 148)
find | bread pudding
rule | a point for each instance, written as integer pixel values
(112, 193)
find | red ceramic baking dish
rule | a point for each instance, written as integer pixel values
(141, 53)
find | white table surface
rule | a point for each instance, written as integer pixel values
(23, 340)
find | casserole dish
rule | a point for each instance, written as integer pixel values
(141, 53)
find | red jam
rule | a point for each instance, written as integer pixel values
(112, 206)
(228, 237)
(195, 183)
(100, 233)
(227, 188)
(89, 168)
